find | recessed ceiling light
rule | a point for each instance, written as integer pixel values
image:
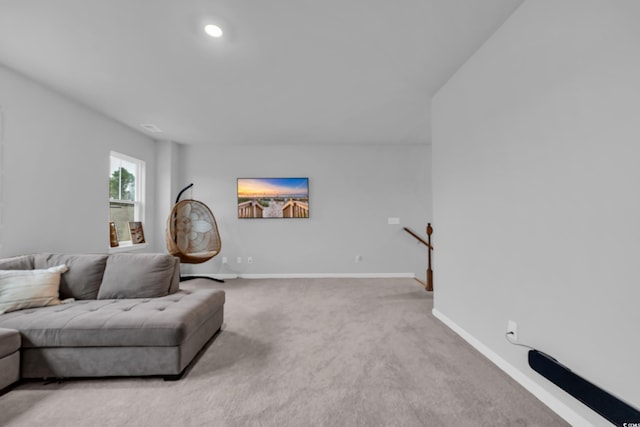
(151, 127)
(213, 30)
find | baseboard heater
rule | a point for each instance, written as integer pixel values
(602, 402)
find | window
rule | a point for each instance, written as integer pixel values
(126, 194)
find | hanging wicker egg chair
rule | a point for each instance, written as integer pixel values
(192, 233)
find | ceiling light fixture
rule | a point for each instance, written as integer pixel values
(151, 127)
(213, 30)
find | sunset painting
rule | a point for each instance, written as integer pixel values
(273, 197)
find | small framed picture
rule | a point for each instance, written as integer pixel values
(137, 234)
(113, 235)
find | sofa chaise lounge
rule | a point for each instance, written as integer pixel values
(118, 315)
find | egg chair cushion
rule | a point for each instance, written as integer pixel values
(192, 232)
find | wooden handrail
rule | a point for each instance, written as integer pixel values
(428, 285)
(420, 239)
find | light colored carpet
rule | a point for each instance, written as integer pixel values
(304, 352)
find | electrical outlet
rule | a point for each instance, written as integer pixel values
(224, 260)
(239, 260)
(512, 330)
(358, 258)
(250, 260)
(393, 220)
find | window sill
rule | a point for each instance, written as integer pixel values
(128, 247)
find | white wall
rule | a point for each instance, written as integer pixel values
(56, 155)
(536, 148)
(56, 169)
(353, 190)
(168, 179)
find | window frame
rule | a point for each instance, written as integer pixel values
(139, 196)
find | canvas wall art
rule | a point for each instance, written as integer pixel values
(273, 198)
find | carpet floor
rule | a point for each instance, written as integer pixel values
(304, 352)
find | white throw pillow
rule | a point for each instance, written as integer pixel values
(29, 288)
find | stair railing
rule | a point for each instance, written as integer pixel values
(428, 284)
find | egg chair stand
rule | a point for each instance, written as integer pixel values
(192, 233)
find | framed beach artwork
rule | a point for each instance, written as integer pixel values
(273, 198)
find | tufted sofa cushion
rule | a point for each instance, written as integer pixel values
(9, 342)
(9, 357)
(164, 321)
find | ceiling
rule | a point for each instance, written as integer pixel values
(285, 71)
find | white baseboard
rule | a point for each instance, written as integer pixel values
(327, 276)
(309, 276)
(556, 405)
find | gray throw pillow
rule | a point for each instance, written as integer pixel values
(83, 279)
(22, 262)
(175, 280)
(137, 276)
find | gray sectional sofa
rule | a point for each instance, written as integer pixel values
(119, 315)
